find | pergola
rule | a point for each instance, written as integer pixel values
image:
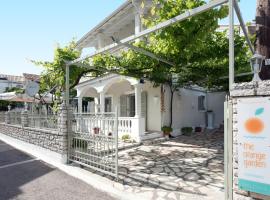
(126, 42)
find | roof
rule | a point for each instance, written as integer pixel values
(98, 28)
(120, 24)
(12, 78)
(31, 77)
(20, 79)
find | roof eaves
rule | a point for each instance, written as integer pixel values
(79, 44)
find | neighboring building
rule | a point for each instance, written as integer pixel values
(11, 81)
(143, 108)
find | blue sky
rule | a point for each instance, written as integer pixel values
(30, 29)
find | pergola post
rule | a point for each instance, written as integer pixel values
(231, 43)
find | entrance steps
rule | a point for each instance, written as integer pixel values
(152, 135)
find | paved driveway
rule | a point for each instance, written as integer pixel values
(23, 177)
(190, 165)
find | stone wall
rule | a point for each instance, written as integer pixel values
(52, 139)
(48, 139)
(250, 89)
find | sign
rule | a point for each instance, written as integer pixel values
(254, 144)
(32, 88)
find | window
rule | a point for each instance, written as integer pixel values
(201, 103)
(108, 104)
(127, 105)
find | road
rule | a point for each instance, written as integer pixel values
(23, 177)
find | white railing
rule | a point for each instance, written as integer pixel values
(42, 121)
(93, 123)
(15, 117)
(125, 125)
(2, 116)
(98, 123)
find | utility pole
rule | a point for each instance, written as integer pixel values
(262, 43)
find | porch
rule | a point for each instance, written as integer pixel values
(125, 95)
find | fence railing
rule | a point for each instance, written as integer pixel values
(93, 123)
(15, 117)
(42, 121)
(30, 120)
(125, 125)
(2, 116)
(94, 142)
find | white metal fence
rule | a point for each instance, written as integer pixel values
(15, 117)
(42, 121)
(94, 142)
(2, 116)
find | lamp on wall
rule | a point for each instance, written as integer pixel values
(256, 65)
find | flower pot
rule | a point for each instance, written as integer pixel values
(96, 130)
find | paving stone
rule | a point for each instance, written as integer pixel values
(157, 169)
(176, 169)
(192, 177)
(184, 163)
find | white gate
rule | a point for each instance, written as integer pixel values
(94, 142)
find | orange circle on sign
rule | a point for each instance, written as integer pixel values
(254, 125)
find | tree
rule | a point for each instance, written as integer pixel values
(198, 51)
(262, 44)
(53, 75)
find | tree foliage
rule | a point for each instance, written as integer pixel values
(199, 52)
(53, 75)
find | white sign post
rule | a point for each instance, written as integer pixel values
(254, 144)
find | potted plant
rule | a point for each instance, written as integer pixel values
(187, 131)
(198, 129)
(96, 130)
(167, 131)
(126, 138)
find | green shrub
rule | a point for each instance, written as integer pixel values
(187, 130)
(167, 129)
(126, 137)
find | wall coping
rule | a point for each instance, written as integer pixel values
(261, 88)
(48, 131)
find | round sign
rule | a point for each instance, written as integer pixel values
(32, 88)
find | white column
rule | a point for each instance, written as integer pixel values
(138, 99)
(96, 105)
(102, 102)
(79, 104)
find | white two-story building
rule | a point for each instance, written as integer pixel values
(143, 108)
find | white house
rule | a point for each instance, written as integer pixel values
(143, 108)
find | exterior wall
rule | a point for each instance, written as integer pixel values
(153, 121)
(47, 139)
(185, 108)
(250, 89)
(215, 102)
(51, 139)
(8, 84)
